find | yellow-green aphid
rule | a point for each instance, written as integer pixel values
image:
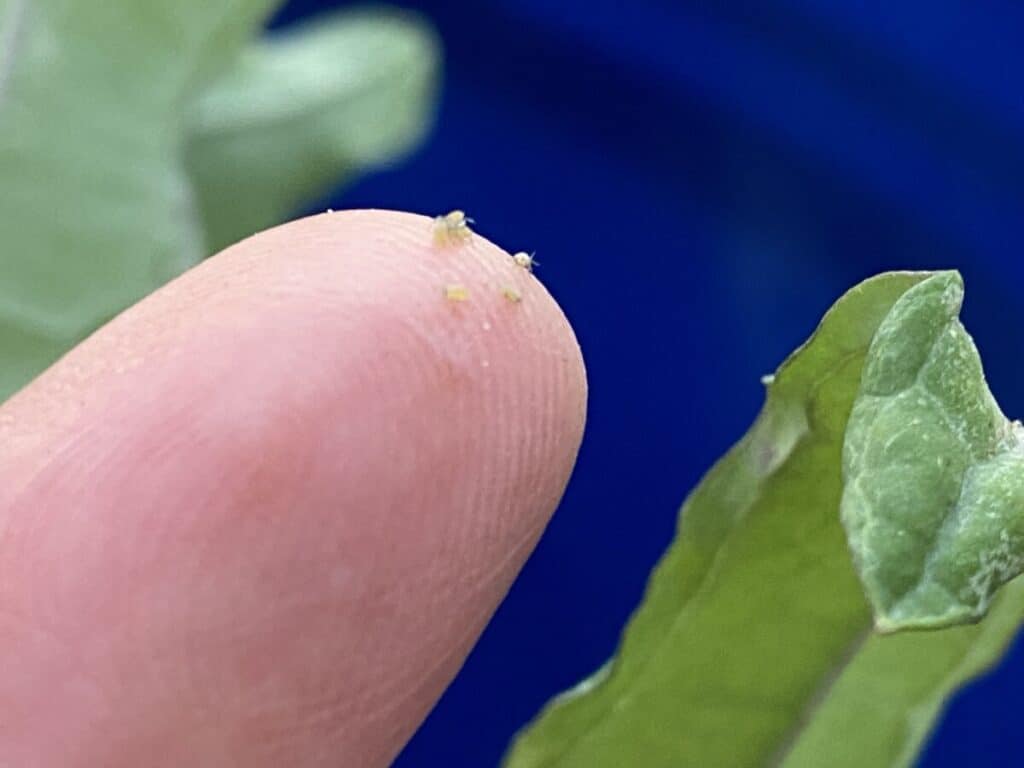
(525, 260)
(511, 294)
(453, 227)
(456, 292)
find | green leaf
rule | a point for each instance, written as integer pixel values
(754, 644)
(934, 473)
(95, 209)
(304, 109)
(97, 100)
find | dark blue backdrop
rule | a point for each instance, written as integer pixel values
(700, 181)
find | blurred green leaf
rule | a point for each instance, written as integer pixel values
(101, 102)
(754, 645)
(95, 210)
(304, 109)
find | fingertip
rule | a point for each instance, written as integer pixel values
(320, 471)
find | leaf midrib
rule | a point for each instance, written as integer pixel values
(814, 703)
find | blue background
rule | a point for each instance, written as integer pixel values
(700, 181)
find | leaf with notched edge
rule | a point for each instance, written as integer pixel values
(933, 502)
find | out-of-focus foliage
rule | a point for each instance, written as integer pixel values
(303, 110)
(138, 137)
(754, 645)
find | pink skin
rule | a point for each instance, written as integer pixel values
(261, 517)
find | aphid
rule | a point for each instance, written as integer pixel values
(525, 260)
(452, 227)
(456, 292)
(511, 294)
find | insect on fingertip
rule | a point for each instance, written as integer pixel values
(511, 294)
(452, 227)
(525, 260)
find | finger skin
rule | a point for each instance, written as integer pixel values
(261, 517)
